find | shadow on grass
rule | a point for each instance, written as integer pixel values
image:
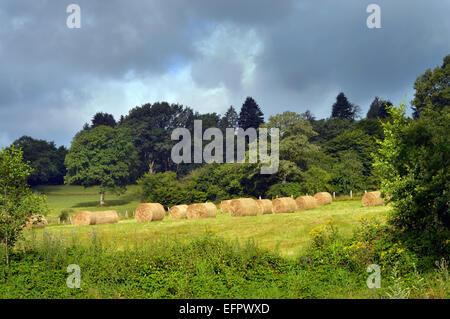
(114, 202)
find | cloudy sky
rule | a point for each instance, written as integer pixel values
(206, 54)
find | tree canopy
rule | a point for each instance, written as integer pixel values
(250, 115)
(432, 89)
(46, 160)
(103, 156)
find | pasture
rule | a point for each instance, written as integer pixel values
(283, 233)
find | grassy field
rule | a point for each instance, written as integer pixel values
(269, 256)
(284, 233)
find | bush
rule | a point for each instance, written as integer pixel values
(413, 164)
(64, 215)
(284, 190)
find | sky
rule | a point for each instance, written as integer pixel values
(207, 55)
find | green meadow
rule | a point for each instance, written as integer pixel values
(284, 233)
(270, 256)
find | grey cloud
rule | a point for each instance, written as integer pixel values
(310, 51)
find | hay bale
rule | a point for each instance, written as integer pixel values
(372, 199)
(244, 207)
(85, 218)
(178, 212)
(225, 206)
(305, 202)
(148, 212)
(284, 205)
(323, 198)
(81, 218)
(204, 210)
(265, 206)
(104, 217)
(36, 221)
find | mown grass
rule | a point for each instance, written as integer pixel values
(78, 198)
(285, 233)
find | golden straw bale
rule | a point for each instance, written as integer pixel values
(265, 206)
(178, 212)
(305, 202)
(372, 199)
(82, 218)
(104, 217)
(244, 207)
(225, 206)
(323, 198)
(148, 212)
(203, 210)
(284, 205)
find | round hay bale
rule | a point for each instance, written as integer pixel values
(284, 205)
(372, 199)
(81, 218)
(305, 202)
(36, 221)
(204, 210)
(323, 198)
(178, 212)
(104, 217)
(148, 212)
(265, 206)
(244, 207)
(225, 206)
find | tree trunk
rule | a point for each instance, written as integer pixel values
(102, 197)
(6, 251)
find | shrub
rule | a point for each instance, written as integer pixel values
(413, 164)
(64, 215)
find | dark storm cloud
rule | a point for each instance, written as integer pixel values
(207, 54)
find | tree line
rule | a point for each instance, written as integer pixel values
(334, 154)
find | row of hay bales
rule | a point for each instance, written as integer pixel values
(241, 207)
(154, 211)
(249, 207)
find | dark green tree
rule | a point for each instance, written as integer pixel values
(343, 109)
(151, 127)
(46, 160)
(378, 109)
(250, 115)
(102, 156)
(230, 119)
(327, 129)
(103, 119)
(432, 88)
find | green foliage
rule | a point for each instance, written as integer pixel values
(433, 89)
(250, 115)
(348, 174)
(343, 109)
(103, 119)
(164, 188)
(357, 141)
(316, 180)
(64, 215)
(151, 126)
(46, 160)
(327, 129)
(413, 164)
(17, 202)
(101, 156)
(284, 190)
(230, 119)
(378, 109)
